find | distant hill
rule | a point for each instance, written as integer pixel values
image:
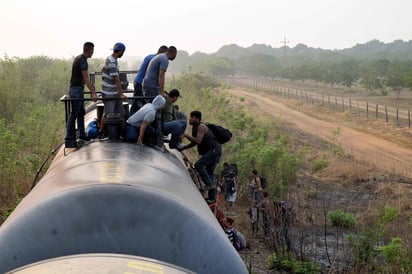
(373, 49)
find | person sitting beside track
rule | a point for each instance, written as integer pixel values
(139, 126)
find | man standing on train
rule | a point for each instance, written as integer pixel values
(80, 77)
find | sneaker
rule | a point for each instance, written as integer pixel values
(70, 144)
(102, 136)
(160, 148)
(178, 146)
(165, 138)
(84, 138)
(207, 188)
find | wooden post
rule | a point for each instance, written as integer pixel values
(367, 108)
(397, 117)
(376, 112)
(386, 114)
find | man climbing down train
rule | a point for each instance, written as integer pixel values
(208, 148)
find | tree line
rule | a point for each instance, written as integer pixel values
(379, 68)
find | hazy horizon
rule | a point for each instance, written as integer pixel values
(59, 28)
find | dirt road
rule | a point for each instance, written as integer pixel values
(362, 146)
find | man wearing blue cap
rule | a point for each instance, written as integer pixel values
(112, 88)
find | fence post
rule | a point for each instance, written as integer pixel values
(386, 114)
(409, 118)
(343, 104)
(350, 105)
(397, 117)
(376, 112)
(367, 110)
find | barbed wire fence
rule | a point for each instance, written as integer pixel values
(342, 104)
(400, 117)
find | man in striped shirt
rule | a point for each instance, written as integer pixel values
(112, 88)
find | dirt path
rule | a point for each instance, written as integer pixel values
(362, 146)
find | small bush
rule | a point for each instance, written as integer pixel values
(389, 214)
(393, 251)
(289, 264)
(342, 219)
(319, 164)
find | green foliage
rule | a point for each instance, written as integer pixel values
(319, 164)
(30, 124)
(393, 251)
(289, 264)
(255, 145)
(363, 244)
(389, 214)
(342, 219)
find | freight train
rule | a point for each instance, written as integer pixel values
(115, 207)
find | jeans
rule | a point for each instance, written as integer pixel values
(206, 165)
(151, 92)
(77, 113)
(132, 133)
(137, 103)
(176, 128)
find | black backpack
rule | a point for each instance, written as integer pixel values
(263, 182)
(234, 168)
(222, 135)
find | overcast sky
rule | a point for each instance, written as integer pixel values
(58, 28)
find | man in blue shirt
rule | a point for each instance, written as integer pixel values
(138, 80)
(154, 80)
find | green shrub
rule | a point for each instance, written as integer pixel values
(342, 219)
(289, 264)
(319, 164)
(389, 214)
(392, 252)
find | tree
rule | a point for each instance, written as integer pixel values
(220, 66)
(396, 83)
(371, 82)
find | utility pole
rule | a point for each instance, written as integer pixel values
(284, 42)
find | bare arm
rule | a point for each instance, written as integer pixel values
(143, 127)
(161, 79)
(201, 132)
(258, 183)
(89, 85)
(119, 88)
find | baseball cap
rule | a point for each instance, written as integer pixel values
(174, 93)
(119, 46)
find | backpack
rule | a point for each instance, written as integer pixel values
(239, 240)
(233, 166)
(91, 130)
(263, 182)
(287, 213)
(231, 188)
(222, 135)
